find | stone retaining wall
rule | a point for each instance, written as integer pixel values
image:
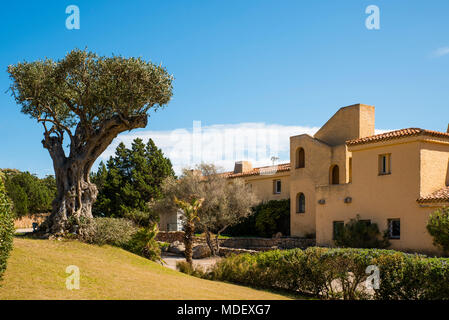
(170, 236)
(262, 244)
(259, 244)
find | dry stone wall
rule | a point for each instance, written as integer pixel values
(259, 244)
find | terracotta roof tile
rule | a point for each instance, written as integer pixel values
(441, 195)
(259, 171)
(396, 135)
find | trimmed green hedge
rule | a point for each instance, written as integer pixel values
(339, 273)
(6, 228)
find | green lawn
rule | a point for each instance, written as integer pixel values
(36, 270)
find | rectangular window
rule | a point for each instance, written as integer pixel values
(385, 164)
(277, 186)
(337, 228)
(394, 228)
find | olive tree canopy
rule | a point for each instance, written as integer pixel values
(86, 100)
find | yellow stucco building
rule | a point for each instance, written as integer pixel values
(395, 179)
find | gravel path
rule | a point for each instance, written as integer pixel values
(171, 259)
(24, 230)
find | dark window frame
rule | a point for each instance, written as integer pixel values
(384, 163)
(391, 229)
(277, 186)
(300, 203)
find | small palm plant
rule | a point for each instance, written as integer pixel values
(190, 210)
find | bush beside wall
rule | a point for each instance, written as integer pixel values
(438, 228)
(361, 234)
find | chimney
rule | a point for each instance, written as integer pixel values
(242, 166)
(447, 128)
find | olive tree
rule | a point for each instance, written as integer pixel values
(83, 102)
(226, 201)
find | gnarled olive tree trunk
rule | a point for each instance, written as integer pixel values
(72, 207)
(75, 197)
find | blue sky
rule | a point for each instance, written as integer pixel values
(283, 64)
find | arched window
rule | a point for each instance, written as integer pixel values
(300, 158)
(300, 203)
(335, 175)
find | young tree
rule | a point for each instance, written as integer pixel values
(6, 228)
(190, 216)
(226, 202)
(88, 100)
(132, 178)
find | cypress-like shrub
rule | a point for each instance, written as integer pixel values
(6, 228)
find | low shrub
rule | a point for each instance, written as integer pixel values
(123, 233)
(187, 268)
(438, 228)
(143, 243)
(6, 228)
(163, 245)
(360, 234)
(339, 273)
(113, 231)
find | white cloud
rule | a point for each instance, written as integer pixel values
(440, 52)
(221, 144)
(380, 131)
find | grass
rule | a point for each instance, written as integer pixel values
(36, 270)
